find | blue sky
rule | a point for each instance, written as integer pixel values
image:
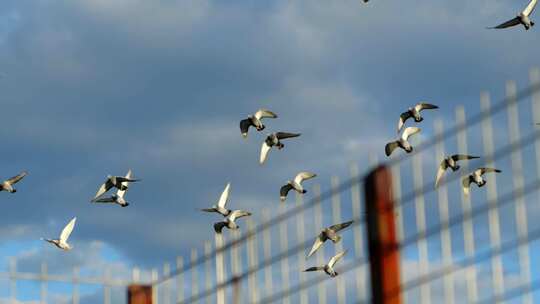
(94, 87)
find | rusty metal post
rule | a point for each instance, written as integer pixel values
(139, 294)
(382, 238)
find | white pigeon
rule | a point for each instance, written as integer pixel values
(450, 162)
(223, 199)
(329, 268)
(255, 121)
(402, 142)
(476, 177)
(114, 181)
(117, 198)
(62, 241)
(7, 185)
(272, 140)
(414, 112)
(329, 233)
(230, 219)
(295, 184)
(523, 18)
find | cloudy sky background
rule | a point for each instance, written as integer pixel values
(94, 87)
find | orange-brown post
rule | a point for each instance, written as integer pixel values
(139, 294)
(382, 239)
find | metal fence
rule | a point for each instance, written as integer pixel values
(452, 248)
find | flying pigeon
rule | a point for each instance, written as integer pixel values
(220, 207)
(7, 185)
(329, 268)
(329, 233)
(402, 142)
(476, 177)
(114, 181)
(62, 241)
(415, 113)
(450, 162)
(274, 139)
(295, 184)
(255, 121)
(522, 18)
(230, 219)
(117, 198)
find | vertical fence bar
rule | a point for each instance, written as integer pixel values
(13, 279)
(154, 277)
(517, 168)
(107, 287)
(194, 274)
(357, 232)
(300, 235)
(423, 257)
(167, 284)
(468, 232)
(208, 269)
(180, 279)
(253, 253)
(321, 288)
(336, 217)
(267, 248)
(220, 272)
(235, 251)
(383, 244)
(284, 244)
(493, 214)
(44, 279)
(75, 295)
(446, 240)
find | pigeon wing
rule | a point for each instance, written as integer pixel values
(284, 135)
(390, 147)
(284, 191)
(224, 196)
(466, 183)
(425, 106)
(67, 230)
(109, 199)
(336, 258)
(17, 178)
(318, 243)
(125, 183)
(218, 227)
(302, 176)
(339, 227)
(530, 8)
(509, 23)
(487, 170)
(410, 131)
(107, 185)
(265, 149)
(244, 127)
(402, 118)
(238, 214)
(263, 113)
(440, 173)
(457, 157)
(314, 269)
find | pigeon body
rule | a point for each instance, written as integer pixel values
(451, 162)
(272, 140)
(329, 233)
(220, 206)
(61, 242)
(522, 18)
(402, 142)
(117, 198)
(295, 184)
(329, 268)
(414, 112)
(7, 185)
(230, 220)
(116, 182)
(255, 121)
(476, 177)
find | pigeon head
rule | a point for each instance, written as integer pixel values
(455, 168)
(409, 149)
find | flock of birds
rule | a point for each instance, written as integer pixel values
(121, 183)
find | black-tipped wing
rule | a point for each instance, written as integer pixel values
(244, 127)
(457, 157)
(218, 227)
(425, 106)
(508, 23)
(339, 227)
(17, 178)
(284, 191)
(314, 269)
(487, 170)
(284, 135)
(390, 147)
(402, 118)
